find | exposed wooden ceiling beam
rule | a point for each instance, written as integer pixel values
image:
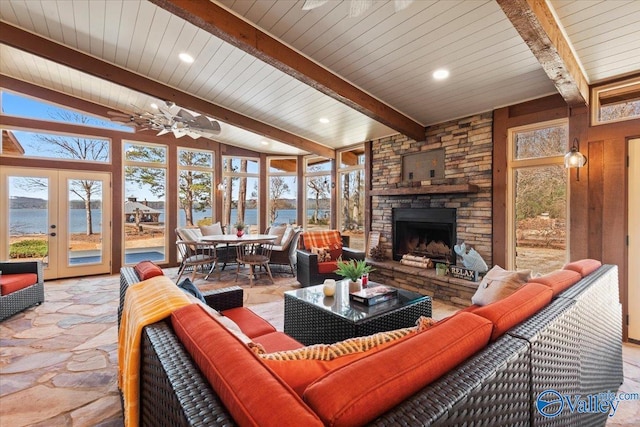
(223, 24)
(538, 28)
(31, 43)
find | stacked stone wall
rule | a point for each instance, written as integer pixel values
(468, 145)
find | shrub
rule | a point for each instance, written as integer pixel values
(28, 249)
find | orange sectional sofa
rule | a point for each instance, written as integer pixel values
(483, 364)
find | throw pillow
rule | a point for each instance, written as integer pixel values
(324, 254)
(499, 283)
(147, 269)
(277, 231)
(341, 348)
(213, 229)
(192, 289)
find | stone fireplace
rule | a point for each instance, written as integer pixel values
(461, 202)
(425, 232)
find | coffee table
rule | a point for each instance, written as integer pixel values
(312, 318)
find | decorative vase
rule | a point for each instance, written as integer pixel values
(355, 286)
(329, 287)
(240, 233)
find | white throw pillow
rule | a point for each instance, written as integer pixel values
(213, 229)
(499, 283)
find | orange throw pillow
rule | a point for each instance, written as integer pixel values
(147, 270)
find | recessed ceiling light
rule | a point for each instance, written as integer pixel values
(323, 120)
(154, 105)
(185, 57)
(440, 74)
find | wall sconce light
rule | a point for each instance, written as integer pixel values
(221, 186)
(575, 159)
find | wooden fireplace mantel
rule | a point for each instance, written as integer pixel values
(426, 189)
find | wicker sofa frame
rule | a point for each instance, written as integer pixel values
(561, 347)
(24, 298)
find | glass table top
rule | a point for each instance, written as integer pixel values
(340, 304)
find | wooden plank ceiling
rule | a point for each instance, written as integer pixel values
(369, 76)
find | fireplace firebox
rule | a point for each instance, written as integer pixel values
(429, 232)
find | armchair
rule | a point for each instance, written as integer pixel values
(22, 285)
(284, 248)
(318, 254)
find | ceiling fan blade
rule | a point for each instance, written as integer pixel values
(186, 115)
(358, 7)
(194, 135)
(402, 4)
(163, 132)
(312, 4)
(118, 114)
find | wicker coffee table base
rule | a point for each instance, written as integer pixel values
(313, 325)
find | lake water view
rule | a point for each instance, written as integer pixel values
(35, 221)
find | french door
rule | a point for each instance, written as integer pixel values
(60, 217)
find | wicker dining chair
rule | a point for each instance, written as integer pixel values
(199, 258)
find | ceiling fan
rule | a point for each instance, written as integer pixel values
(356, 7)
(170, 118)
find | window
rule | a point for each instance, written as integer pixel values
(56, 146)
(317, 204)
(537, 221)
(615, 102)
(351, 196)
(23, 106)
(240, 177)
(283, 191)
(195, 176)
(145, 183)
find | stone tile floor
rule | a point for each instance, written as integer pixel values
(58, 361)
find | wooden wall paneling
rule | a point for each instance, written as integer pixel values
(595, 176)
(579, 190)
(499, 205)
(614, 215)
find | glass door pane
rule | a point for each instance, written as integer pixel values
(84, 222)
(29, 219)
(541, 218)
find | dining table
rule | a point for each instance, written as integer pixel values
(234, 240)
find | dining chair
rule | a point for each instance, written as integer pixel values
(255, 255)
(199, 258)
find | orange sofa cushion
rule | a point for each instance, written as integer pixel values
(584, 266)
(300, 368)
(14, 282)
(252, 394)
(250, 323)
(327, 267)
(558, 280)
(362, 390)
(517, 307)
(277, 341)
(147, 270)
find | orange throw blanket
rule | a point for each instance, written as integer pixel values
(145, 303)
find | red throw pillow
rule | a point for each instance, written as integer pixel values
(147, 270)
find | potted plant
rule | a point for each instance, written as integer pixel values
(239, 228)
(353, 270)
